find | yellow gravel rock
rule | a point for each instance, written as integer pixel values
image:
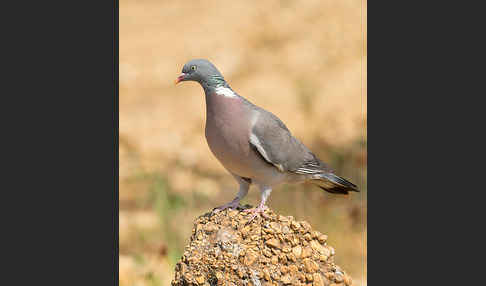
(227, 250)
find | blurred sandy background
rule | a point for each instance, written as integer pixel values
(303, 60)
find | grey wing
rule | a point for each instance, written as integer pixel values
(274, 142)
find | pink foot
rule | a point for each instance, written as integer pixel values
(258, 211)
(231, 205)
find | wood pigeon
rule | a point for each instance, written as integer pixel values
(253, 144)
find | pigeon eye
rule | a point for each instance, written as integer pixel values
(193, 68)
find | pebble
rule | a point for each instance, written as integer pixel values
(286, 279)
(267, 253)
(338, 277)
(295, 225)
(273, 243)
(297, 251)
(210, 227)
(308, 237)
(276, 227)
(200, 280)
(317, 246)
(309, 277)
(318, 281)
(266, 274)
(307, 252)
(322, 238)
(310, 266)
(348, 280)
(250, 258)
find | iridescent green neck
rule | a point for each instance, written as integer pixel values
(216, 80)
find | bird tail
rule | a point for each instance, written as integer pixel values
(334, 184)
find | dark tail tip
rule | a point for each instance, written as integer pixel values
(335, 190)
(334, 184)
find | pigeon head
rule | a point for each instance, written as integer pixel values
(202, 71)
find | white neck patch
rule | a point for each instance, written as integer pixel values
(224, 91)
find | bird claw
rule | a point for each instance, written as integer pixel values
(231, 205)
(258, 211)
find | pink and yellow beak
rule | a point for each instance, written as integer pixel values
(180, 78)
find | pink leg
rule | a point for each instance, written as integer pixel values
(244, 186)
(260, 210)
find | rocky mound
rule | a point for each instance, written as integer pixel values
(227, 250)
